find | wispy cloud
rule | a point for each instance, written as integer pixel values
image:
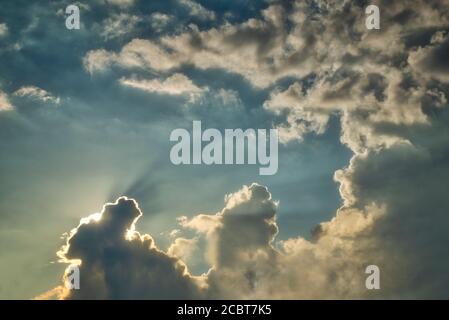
(176, 84)
(4, 102)
(37, 93)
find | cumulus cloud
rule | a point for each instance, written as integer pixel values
(183, 248)
(137, 53)
(384, 227)
(117, 262)
(245, 225)
(4, 102)
(369, 77)
(247, 263)
(384, 221)
(37, 93)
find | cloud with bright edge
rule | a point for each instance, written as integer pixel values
(176, 84)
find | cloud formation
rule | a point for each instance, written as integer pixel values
(37, 93)
(4, 102)
(197, 10)
(117, 262)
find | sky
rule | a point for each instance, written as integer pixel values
(85, 120)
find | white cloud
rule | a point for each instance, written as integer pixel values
(358, 74)
(245, 264)
(121, 3)
(198, 10)
(160, 20)
(183, 248)
(97, 60)
(118, 25)
(37, 93)
(138, 269)
(176, 84)
(4, 102)
(138, 53)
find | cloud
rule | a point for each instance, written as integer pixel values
(235, 48)
(5, 105)
(183, 248)
(384, 221)
(3, 30)
(197, 9)
(433, 59)
(366, 77)
(121, 3)
(97, 60)
(118, 25)
(369, 79)
(160, 20)
(246, 263)
(176, 84)
(117, 262)
(37, 93)
(384, 226)
(136, 54)
(246, 224)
